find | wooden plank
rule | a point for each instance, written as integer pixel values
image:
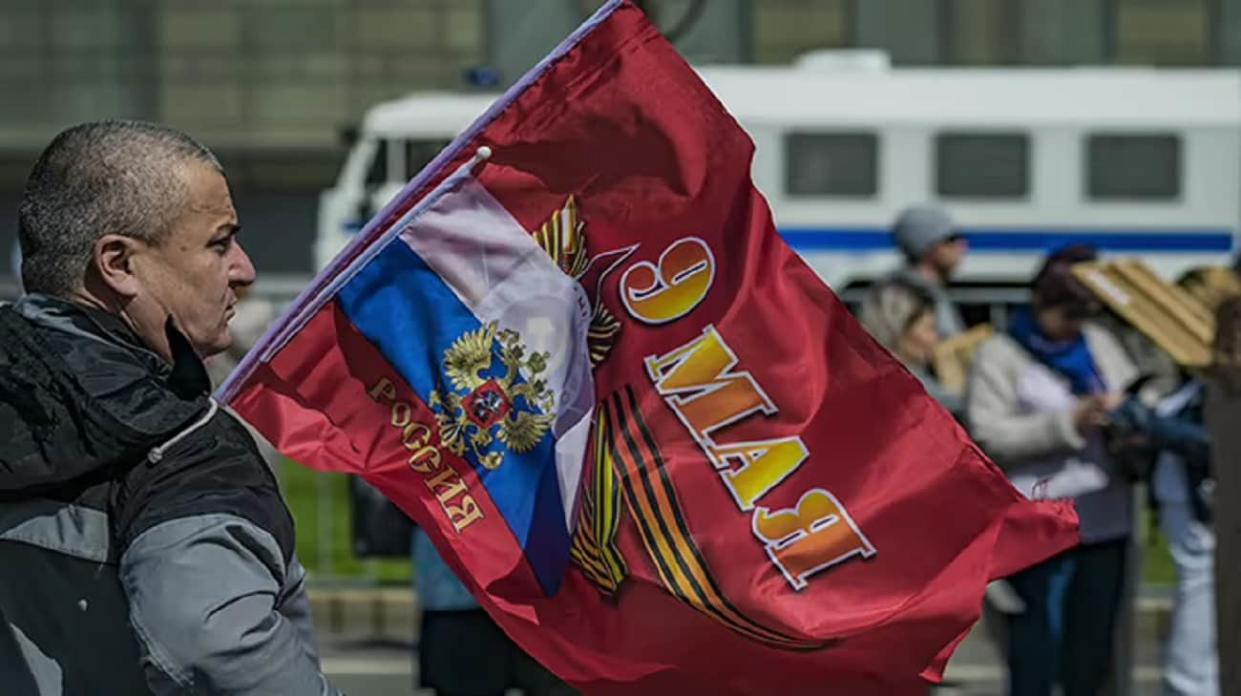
(1174, 320)
(1161, 319)
(1178, 304)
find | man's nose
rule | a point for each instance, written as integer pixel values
(241, 270)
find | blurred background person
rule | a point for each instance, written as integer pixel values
(902, 317)
(932, 247)
(1038, 398)
(1182, 485)
(461, 651)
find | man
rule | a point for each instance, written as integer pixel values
(144, 545)
(933, 249)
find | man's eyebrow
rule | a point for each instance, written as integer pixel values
(226, 231)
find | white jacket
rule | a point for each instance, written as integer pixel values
(1020, 413)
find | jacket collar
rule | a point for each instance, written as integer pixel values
(81, 395)
(186, 376)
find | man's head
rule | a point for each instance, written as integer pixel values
(928, 238)
(135, 218)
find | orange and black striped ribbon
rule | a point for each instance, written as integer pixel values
(653, 501)
(594, 540)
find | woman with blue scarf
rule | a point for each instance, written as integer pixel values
(1038, 399)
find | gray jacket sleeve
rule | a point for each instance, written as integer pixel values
(217, 611)
(994, 417)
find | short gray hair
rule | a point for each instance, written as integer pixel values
(106, 177)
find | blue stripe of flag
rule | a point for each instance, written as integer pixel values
(406, 310)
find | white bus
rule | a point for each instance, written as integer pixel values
(1140, 162)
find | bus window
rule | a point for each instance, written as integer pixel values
(377, 172)
(982, 165)
(419, 153)
(831, 164)
(1133, 166)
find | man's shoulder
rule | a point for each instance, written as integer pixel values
(909, 276)
(905, 274)
(213, 469)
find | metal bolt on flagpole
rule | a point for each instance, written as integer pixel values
(481, 155)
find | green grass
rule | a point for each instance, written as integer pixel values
(320, 506)
(327, 553)
(1157, 566)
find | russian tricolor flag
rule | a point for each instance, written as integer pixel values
(471, 317)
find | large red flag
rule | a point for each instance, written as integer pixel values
(750, 495)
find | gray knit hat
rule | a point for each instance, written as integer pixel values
(920, 228)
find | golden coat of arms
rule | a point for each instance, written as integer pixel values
(514, 409)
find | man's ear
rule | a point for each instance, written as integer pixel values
(113, 262)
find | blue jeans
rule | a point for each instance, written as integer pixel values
(1065, 634)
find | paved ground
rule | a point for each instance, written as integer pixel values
(365, 668)
(367, 646)
(977, 670)
(366, 671)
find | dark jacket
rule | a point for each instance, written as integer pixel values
(144, 544)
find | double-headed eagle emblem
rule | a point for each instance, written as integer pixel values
(515, 408)
(489, 402)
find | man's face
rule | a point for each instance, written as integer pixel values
(946, 256)
(196, 272)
